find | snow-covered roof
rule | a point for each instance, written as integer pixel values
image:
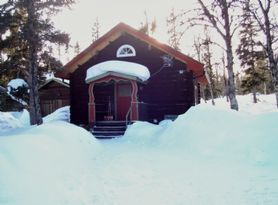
(121, 67)
(15, 83)
(54, 80)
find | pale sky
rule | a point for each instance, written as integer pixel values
(79, 20)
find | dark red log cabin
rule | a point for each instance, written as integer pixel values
(113, 94)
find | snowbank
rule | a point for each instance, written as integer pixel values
(210, 133)
(61, 114)
(266, 104)
(47, 164)
(229, 135)
(209, 155)
(123, 67)
(13, 120)
(8, 122)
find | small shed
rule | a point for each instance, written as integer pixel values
(54, 94)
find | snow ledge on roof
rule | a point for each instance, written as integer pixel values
(122, 67)
(16, 83)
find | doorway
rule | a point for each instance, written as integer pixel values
(123, 92)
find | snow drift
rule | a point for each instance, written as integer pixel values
(42, 168)
(207, 156)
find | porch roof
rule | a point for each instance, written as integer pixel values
(119, 76)
(129, 70)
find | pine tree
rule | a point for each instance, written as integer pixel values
(77, 48)
(175, 35)
(95, 30)
(27, 35)
(248, 54)
(253, 79)
(238, 82)
(207, 59)
(266, 86)
(12, 45)
(153, 26)
(146, 26)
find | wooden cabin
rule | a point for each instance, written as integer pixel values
(127, 75)
(54, 94)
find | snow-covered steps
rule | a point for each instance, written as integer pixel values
(108, 129)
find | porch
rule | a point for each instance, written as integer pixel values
(113, 89)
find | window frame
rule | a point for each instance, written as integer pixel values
(125, 46)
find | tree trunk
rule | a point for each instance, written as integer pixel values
(203, 94)
(276, 94)
(211, 94)
(231, 81)
(270, 53)
(265, 88)
(254, 95)
(273, 69)
(32, 39)
(230, 58)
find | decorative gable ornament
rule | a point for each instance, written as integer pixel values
(167, 60)
(126, 51)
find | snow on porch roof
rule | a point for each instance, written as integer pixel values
(121, 67)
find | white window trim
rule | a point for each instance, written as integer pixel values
(119, 55)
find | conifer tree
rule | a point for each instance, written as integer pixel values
(248, 52)
(153, 26)
(146, 26)
(77, 48)
(253, 79)
(207, 59)
(266, 86)
(175, 35)
(12, 46)
(238, 82)
(27, 34)
(95, 30)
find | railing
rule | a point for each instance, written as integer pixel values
(127, 115)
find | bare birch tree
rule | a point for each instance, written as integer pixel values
(219, 16)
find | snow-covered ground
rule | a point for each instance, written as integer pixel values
(210, 155)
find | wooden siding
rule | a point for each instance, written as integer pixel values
(170, 91)
(53, 96)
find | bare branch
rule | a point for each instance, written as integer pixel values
(257, 18)
(211, 18)
(234, 29)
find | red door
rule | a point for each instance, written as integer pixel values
(123, 103)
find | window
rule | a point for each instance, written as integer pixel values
(126, 51)
(124, 90)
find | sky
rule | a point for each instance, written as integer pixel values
(78, 21)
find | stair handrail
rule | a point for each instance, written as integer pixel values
(127, 115)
